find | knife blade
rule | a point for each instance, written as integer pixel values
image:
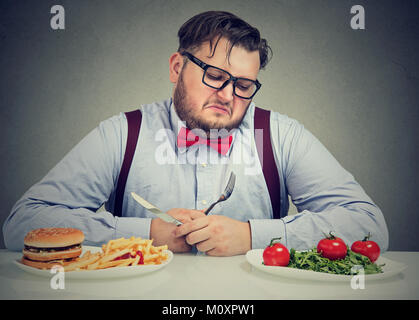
(162, 215)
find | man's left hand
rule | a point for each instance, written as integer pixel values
(217, 235)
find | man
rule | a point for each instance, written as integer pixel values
(214, 73)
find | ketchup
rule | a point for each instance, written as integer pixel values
(128, 255)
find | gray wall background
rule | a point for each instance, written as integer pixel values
(357, 91)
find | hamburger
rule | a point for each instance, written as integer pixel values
(46, 247)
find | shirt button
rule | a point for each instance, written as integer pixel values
(204, 201)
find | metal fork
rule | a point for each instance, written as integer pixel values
(227, 192)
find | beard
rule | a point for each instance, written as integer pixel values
(187, 112)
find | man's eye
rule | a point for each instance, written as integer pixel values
(243, 87)
(214, 76)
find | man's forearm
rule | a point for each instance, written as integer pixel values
(350, 223)
(98, 227)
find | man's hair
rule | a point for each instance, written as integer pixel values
(213, 25)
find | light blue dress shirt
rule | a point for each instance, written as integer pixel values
(327, 197)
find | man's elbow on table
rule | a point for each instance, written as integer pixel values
(379, 231)
(376, 226)
(383, 237)
(11, 238)
(15, 228)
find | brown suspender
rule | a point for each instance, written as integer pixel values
(134, 125)
(267, 160)
(265, 153)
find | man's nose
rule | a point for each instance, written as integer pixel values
(226, 93)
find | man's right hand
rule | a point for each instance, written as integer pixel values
(163, 232)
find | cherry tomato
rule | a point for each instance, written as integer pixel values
(276, 254)
(367, 248)
(332, 247)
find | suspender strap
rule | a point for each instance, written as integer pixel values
(134, 125)
(266, 157)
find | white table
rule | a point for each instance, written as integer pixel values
(190, 277)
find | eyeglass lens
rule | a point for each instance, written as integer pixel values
(215, 78)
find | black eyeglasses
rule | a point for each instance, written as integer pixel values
(218, 79)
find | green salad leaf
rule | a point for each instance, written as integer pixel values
(312, 260)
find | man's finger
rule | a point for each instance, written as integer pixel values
(196, 214)
(206, 246)
(192, 226)
(198, 236)
(185, 215)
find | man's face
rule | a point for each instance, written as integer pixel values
(206, 108)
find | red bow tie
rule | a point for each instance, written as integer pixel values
(187, 138)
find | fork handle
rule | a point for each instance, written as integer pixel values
(210, 207)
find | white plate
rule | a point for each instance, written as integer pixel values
(254, 257)
(116, 272)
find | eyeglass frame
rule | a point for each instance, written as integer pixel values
(204, 66)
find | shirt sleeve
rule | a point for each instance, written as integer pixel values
(72, 192)
(328, 197)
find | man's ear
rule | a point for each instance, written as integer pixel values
(175, 66)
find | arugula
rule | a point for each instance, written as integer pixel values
(311, 260)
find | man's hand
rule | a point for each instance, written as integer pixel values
(163, 232)
(216, 235)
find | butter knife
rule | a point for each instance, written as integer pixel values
(162, 215)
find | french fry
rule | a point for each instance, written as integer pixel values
(147, 248)
(93, 266)
(116, 248)
(116, 263)
(136, 260)
(161, 248)
(150, 257)
(83, 262)
(115, 255)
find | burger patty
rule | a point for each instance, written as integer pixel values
(37, 250)
(51, 261)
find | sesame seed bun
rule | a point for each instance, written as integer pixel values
(53, 237)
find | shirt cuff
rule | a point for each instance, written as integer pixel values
(127, 227)
(264, 230)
